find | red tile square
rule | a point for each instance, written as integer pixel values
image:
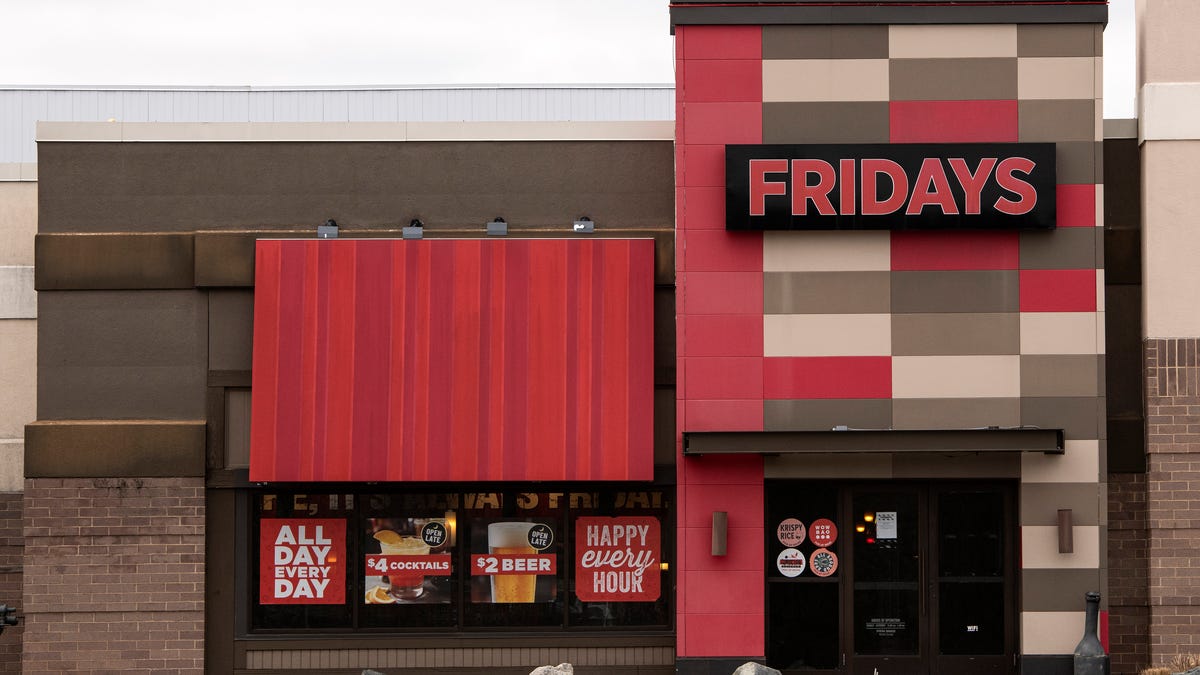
(722, 470)
(718, 42)
(737, 415)
(702, 208)
(1076, 205)
(968, 250)
(953, 121)
(827, 377)
(728, 635)
(701, 166)
(1058, 290)
(743, 503)
(720, 293)
(706, 81)
(723, 377)
(720, 251)
(724, 123)
(744, 549)
(722, 335)
(699, 589)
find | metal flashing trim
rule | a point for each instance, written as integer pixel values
(796, 13)
(1020, 439)
(1168, 111)
(278, 132)
(18, 172)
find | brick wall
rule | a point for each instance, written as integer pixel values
(1128, 572)
(114, 575)
(1173, 495)
(12, 548)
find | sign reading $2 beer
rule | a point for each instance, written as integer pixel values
(617, 559)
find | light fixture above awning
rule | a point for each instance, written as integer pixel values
(857, 441)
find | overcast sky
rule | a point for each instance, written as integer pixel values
(377, 42)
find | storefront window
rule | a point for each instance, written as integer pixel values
(511, 560)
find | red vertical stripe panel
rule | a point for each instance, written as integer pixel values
(459, 360)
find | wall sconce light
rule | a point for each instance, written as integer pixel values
(414, 230)
(328, 231)
(1066, 532)
(720, 532)
(584, 225)
(497, 228)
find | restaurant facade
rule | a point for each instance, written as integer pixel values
(816, 376)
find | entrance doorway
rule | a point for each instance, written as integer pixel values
(896, 578)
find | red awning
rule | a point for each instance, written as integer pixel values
(453, 360)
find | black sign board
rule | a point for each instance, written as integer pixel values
(901, 186)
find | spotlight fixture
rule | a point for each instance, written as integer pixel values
(497, 227)
(328, 231)
(414, 230)
(584, 225)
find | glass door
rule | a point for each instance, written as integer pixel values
(889, 613)
(902, 578)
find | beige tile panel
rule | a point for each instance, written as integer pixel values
(1079, 464)
(1099, 288)
(947, 41)
(825, 80)
(1060, 332)
(1099, 198)
(956, 376)
(1039, 548)
(1050, 632)
(827, 335)
(828, 466)
(834, 251)
(1056, 78)
(1101, 344)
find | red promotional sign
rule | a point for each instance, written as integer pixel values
(302, 561)
(617, 559)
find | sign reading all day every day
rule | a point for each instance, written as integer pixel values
(302, 561)
(617, 559)
(890, 186)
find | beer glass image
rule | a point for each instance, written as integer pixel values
(405, 584)
(511, 538)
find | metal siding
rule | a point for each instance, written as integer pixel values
(21, 109)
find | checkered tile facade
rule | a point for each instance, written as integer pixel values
(905, 330)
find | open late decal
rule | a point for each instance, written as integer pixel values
(890, 186)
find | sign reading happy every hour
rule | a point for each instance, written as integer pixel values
(302, 561)
(617, 559)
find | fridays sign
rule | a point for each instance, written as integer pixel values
(899, 186)
(617, 559)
